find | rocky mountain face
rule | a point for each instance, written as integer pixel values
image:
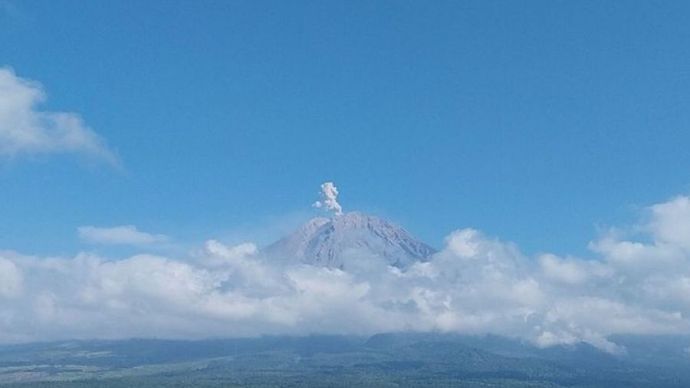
(330, 241)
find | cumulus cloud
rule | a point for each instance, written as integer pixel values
(10, 279)
(670, 223)
(119, 235)
(26, 130)
(329, 199)
(476, 284)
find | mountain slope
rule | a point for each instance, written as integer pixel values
(328, 242)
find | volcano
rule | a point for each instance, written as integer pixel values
(330, 242)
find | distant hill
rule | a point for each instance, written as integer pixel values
(383, 360)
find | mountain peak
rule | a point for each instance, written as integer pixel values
(328, 241)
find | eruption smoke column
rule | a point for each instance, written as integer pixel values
(329, 194)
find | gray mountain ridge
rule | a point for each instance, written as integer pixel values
(329, 242)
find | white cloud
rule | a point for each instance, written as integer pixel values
(563, 270)
(670, 222)
(26, 130)
(118, 235)
(476, 284)
(10, 279)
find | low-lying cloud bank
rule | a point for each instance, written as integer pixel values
(636, 284)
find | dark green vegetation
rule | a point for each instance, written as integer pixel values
(386, 360)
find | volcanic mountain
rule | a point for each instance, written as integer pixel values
(330, 241)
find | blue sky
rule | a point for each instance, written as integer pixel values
(533, 121)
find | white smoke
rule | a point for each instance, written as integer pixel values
(329, 195)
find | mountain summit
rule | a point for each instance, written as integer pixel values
(328, 242)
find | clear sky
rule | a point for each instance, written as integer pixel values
(533, 121)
